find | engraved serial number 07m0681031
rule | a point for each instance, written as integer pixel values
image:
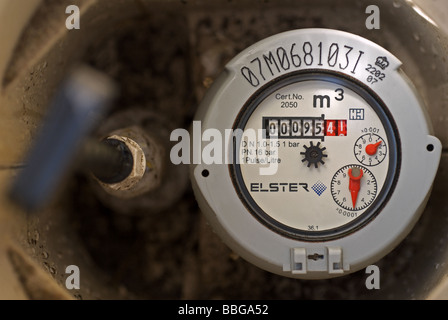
(339, 57)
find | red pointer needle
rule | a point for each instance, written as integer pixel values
(371, 149)
(354, 185)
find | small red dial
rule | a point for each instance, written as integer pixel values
(372, 148)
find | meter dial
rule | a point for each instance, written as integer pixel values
(370, 149)
(307, 125)
(353, 188)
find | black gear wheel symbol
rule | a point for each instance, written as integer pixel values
(313, 154)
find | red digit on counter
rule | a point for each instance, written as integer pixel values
(342, 127)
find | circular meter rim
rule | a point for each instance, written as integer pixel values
(394, 153)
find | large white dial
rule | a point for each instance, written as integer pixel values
(309, 124)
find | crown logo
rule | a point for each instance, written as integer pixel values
(382, 62)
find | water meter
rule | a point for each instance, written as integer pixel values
(328, 155)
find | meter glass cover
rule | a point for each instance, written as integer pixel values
(332, 150)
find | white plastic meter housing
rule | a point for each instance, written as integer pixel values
(328, 154)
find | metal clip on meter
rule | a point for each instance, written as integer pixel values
(345, 145)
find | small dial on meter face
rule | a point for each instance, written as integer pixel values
(354, 187)
(370, 149)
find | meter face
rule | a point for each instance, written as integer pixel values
(318, 156)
